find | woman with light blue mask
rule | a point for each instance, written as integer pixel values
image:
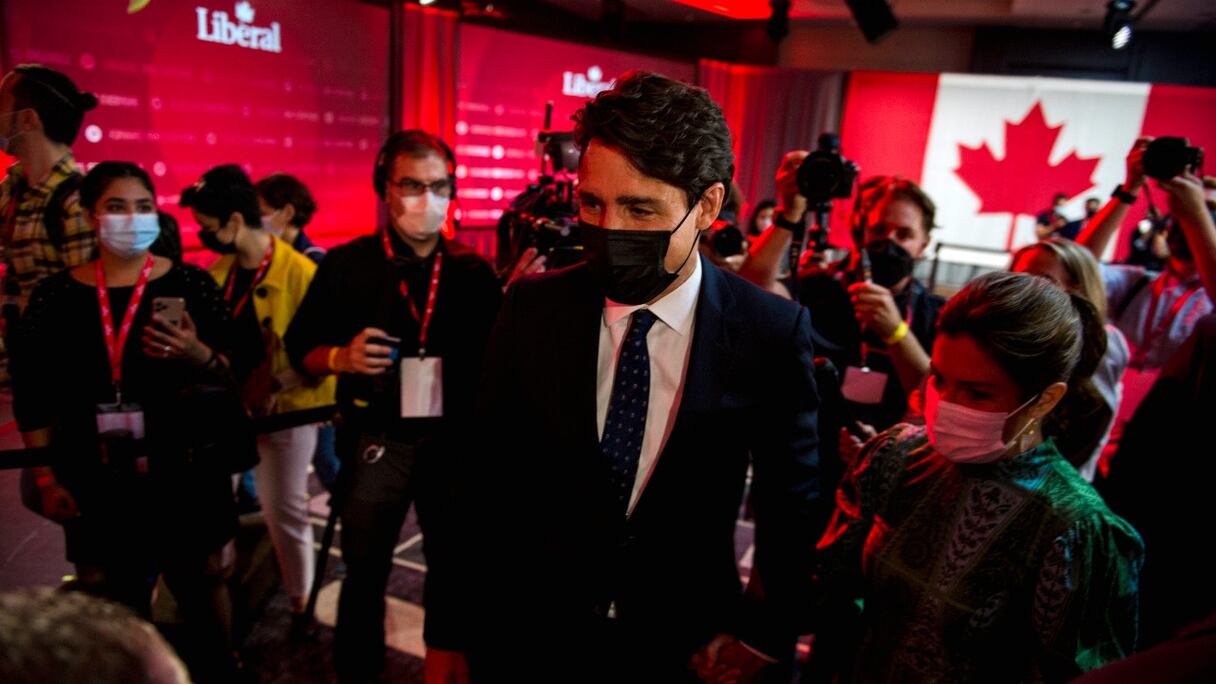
(117, 351)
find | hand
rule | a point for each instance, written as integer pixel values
(850, 445)
(531, 261)
(1135, 165)
(163, 340)
(792, 204)
(363, 358)
(1185, 195)
(445, 667)
(875, 308)
(260, 392)
(725, 660)
(57, 502)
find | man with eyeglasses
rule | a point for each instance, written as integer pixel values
(402, 317)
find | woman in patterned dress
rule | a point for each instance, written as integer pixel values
(977, 551)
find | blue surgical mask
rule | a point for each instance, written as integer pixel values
(128, 235)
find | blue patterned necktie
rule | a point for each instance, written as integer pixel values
(626, 422)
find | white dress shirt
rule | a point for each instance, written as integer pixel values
(669, 343)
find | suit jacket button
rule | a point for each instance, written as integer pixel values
(262, 292)
(266, 322)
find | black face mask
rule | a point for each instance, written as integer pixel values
(889, 263)
(212, 242)
(628, 264)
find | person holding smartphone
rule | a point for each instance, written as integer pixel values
(402, 318)
(106, 387)
(263, 281)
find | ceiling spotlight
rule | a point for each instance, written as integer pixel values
(1118, 23)
(424, 3)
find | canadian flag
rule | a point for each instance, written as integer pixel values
(992, 151)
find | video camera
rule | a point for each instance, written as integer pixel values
(544, 216)
(1165, 158)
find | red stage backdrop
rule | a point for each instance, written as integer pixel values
(272, 85)
(992, 150)
(504, 81)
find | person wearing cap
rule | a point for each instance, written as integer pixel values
(402, 318)
(264, 281)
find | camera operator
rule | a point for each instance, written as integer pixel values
(883, 364)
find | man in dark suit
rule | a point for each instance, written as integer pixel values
(624, 399)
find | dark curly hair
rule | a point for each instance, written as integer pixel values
(668, 130)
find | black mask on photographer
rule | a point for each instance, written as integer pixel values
(628, 264)
(213, 243)
(889, 263)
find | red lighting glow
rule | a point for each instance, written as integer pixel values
(735, 9)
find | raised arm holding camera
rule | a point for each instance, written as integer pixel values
(875, 329)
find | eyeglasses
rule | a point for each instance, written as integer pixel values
(410, 187)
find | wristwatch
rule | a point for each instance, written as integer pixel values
(1123, 195)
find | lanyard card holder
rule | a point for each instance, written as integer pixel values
(421, 387)
(120, 430)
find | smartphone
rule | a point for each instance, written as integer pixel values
(172, 309)
(392, 342)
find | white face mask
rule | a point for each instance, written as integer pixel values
(762, 224)
(269, 227)
(967, 435)
(422, 216)
(128, 235)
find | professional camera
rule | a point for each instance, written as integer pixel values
(725, 239)
(1165, 158)
(825, 174)
(544, 216)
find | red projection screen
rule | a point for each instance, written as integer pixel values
(504, 81)
(272, 85)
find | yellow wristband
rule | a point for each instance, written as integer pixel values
(333, 354)
(900, 333)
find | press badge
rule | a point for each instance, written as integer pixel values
(126, 417)
(863, 386)
(422, 387)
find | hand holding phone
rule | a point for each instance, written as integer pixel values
(371, 352)
(171, 309)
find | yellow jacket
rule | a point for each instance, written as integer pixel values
(275, 301)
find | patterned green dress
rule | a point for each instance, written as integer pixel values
(1011, 571)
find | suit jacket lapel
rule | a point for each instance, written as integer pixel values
(580, 357)
(710, 363)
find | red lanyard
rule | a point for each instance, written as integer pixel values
(257, 278)
(1152, 332)
(424, 321)
(117, 340)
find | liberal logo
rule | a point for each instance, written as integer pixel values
(216, 27)
(590, 85)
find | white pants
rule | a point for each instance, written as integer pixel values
(282, 479)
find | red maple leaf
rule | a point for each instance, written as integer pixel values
(1023, 183)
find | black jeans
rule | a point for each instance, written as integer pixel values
(376, 498)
